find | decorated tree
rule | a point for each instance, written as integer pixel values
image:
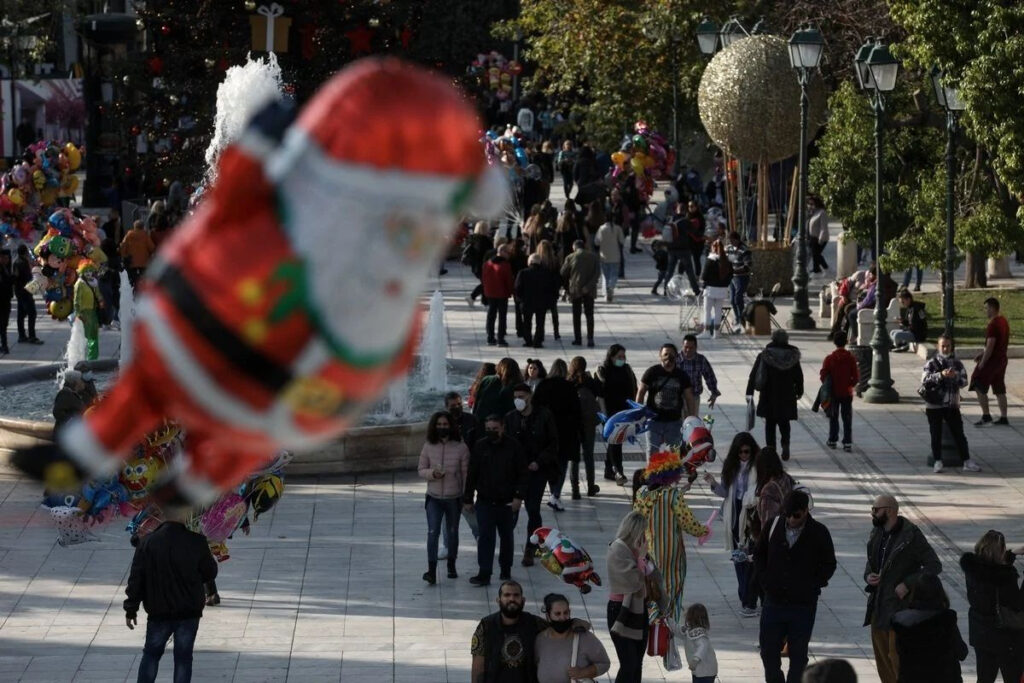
(166, 109)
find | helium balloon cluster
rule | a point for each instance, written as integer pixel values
(495, 73)
(642, 158)
(507, 149)
(32, 187)
(70, 242)
(562, 557)
(125, 494)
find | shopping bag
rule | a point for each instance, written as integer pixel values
(672, 660)
(658, 641)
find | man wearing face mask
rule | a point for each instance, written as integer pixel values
(666, 390)
(534, 428)
(496, 481)
(898, 554)
(503, 643)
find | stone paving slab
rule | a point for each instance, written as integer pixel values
(328, 585)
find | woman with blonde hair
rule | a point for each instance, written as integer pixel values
(550, 259)
(996, 614)
(627, 576)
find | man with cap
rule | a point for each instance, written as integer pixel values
(795, 559)
(777, 377)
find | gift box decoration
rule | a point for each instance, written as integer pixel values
(270, 29)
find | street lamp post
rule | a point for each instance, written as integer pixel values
(949, 100)
(672, 39)
(805, 48)
(877, 75)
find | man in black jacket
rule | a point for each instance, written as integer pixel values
(795, 559)
(496, 482)
(536, 287)
(26, 304)
(534, 428)
(6, 292)
(168, 572)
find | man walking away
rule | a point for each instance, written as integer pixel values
(991, 368)
(795, 559)
(898, 554)
(817, 233)
(536, 287)
(778, 378)
(498, 287)
(26, 304)
(841, 367)
(167, 576)
(582, 270)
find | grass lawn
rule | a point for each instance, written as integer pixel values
(970, 318)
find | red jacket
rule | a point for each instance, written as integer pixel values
(843, 367)
(497, 278)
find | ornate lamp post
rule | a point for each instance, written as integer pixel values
(673, 38)
(877, 76)
(949, 100)
(805, 48)
(707, 37)
(731, 31)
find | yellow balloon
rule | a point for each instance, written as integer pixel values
(637, 165)
(619, 158)
(38, 179)
(48, 196)
(16, 197)
(69, 185)
(74, 156)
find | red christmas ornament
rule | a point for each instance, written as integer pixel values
(136, 130)
(165, 29)
(406, 37)
(155, 65)
(359, 39)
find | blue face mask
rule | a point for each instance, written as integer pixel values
(619, 362)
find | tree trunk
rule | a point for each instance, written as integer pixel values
(974, 275)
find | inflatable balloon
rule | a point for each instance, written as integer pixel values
(619, 159)
(263, 493)
(16, 196)
(74, 157)
(264, 342)
(625, 425)
(700, 445)
(59, 310)
(560, 556)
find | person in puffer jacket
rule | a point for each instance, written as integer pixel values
(928, 640)
(700, 653)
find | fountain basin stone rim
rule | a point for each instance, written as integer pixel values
(361, 449)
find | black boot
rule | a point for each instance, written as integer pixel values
(452, 574)
(528, 552)
(430, 576)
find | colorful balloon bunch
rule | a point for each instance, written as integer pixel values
(68, 241)
(495, 73)
(31, 188)
(125, 494)
(643, 157)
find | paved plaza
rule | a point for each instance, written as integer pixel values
(328, 585)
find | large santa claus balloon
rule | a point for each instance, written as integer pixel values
(280, 310)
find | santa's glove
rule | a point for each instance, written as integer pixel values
(50, 464)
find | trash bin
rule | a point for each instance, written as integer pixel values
(863, 356)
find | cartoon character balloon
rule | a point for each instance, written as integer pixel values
(700, 444)
(560, 556)
(252, 326)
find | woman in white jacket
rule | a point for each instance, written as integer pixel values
(739, 488)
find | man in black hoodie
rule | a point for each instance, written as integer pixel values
(777, 376)
(536, 288)
(795, 559)
(169, 569)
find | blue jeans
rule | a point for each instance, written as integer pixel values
(611, 275)
(496, 521)
(843, 409)
(901, 337)
(670, 433)
(157, 633)
(785, 623)
(737, 292)
(745, 589)
(449, 509)
(906, 276)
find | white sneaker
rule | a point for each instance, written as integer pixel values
(969, 466)
(938, 466)
(555, 504)
(442, 553)
(748, 612)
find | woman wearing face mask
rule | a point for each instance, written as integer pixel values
(618, 387)
(565, 637)
(444, 463)
(739, 488)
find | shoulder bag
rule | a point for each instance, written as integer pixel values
(573, 661)
(1007, 618)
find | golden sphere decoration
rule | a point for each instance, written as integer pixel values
(749, 100)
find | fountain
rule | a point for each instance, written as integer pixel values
(435, 345)
(75, 352)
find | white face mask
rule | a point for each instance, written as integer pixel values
(520, 404)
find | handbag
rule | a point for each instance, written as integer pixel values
(575, 655)
(658, 641)
(1007, 618)
(932, 393)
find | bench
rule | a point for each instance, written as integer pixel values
(866, 321)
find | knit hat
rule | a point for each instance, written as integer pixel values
(664, 468)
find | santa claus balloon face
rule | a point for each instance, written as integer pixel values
(365, 259)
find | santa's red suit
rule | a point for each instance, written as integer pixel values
(278, 313)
